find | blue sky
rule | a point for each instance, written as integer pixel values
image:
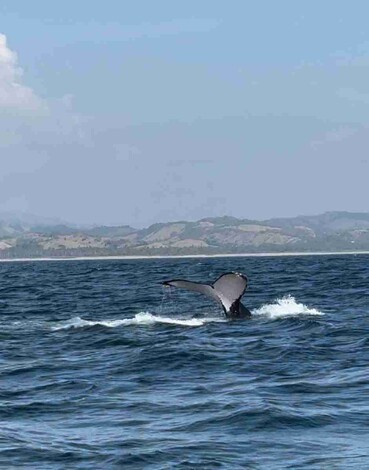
(138, 112)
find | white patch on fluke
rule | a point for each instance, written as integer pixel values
(142, 318)
(285, 307)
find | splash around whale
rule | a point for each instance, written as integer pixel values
(285, 307)
(227, 291)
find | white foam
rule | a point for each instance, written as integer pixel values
(285, 307)
(142, 318)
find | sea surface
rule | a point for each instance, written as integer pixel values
(101, 367)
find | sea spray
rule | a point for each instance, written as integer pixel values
(285, 307)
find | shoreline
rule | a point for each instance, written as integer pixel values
(224, 255)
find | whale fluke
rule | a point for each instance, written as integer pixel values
(227, 291)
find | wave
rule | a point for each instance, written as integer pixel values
(142, 318)
(285, 307)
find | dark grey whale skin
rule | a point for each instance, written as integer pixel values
(227, 291)
(239, 313)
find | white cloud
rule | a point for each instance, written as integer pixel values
(13, 94)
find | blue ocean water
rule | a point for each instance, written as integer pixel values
(102, 368)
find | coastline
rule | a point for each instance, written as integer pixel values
(225, 255)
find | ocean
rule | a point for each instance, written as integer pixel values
(102, 367)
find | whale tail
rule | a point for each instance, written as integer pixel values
(227, 291)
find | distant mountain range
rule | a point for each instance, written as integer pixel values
(28, 236)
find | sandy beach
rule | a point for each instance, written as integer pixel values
(226, 255)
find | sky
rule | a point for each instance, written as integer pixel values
(141, 112)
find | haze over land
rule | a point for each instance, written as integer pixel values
(145, 111)
(330, 232)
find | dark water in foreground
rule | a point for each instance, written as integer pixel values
(101, 369)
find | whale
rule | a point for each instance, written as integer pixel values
(226, 291)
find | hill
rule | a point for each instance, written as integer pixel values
(331, 231)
